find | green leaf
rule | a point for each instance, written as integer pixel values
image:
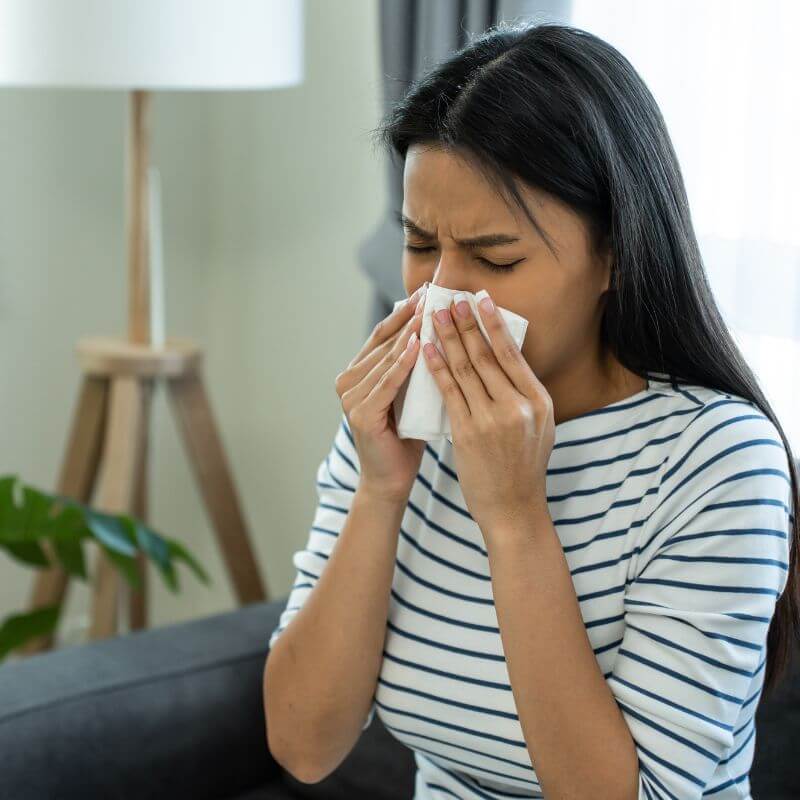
(7, 505)
(69, 529)
(28, 553)
(112, 532)
(152, 543)
(28, 515)
(19, 628)
(157, 549)
(12, 512)
(70, 555)
(115, 529)
(34, 511)
(125, 564)
(67, 523)
(179, 552)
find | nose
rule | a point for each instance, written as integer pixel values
(449, 275)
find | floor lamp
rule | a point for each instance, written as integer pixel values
(141, 46)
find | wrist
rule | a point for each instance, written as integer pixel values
(521, 525)
(376, 495)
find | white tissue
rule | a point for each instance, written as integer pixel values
(419, 409)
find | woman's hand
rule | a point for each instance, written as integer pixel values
(501, 417)
(367, 389)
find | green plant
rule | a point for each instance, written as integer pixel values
(29, 516)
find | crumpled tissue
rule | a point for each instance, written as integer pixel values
(419, 409)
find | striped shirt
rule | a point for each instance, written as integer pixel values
(673, 508)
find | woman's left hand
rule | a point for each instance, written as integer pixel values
(501, 417)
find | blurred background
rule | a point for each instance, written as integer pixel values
(280, 253)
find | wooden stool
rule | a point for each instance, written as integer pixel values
(109, 436)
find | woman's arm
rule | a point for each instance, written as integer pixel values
(710, 565)
(321, 674)
(578, 741)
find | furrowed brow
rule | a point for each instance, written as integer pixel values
(485, 240)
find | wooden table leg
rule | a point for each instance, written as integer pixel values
(76, 480)
(116, 491)
(137, 598)
(207, 456)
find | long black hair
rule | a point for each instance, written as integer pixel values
(562, 110)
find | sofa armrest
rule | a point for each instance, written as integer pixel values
(174, 711)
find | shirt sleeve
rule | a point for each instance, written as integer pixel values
(712, 562)
(337, 479)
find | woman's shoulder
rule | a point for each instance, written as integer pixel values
(717, 419)
(724, 487)
(721, 437)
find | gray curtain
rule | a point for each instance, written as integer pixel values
(415, 36)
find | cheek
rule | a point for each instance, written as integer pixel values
(558, 334)
(414, 274)
(551, 333)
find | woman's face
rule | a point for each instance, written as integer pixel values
(561, 297)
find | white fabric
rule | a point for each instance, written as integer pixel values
(419, 409)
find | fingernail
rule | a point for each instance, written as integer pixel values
(442, 312)
(462, 305)
(484, 301)
(411, 300)
(422, 292)
(411, 340)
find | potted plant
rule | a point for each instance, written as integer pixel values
(29, 517)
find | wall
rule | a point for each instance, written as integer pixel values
(266, 196)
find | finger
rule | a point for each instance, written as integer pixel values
(358, 369)
(454, 401)
(506, 350)
(460, 367)
(389, 325)
(361, 391)
(481, 355)
(386, 388)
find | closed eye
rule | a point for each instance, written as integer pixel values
(488, 264)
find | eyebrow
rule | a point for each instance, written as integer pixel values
(486, 240)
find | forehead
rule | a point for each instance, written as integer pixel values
(444, 190)
(436, 181)
(443, 187)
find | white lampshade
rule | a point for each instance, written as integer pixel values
(151, 44)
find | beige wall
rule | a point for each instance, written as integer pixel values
(266, 197)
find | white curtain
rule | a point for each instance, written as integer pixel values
(726, 76)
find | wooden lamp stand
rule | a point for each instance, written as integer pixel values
(108, 442)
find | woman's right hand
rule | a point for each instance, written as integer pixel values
(367, 389)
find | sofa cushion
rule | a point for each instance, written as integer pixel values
(775, 774)
(175, 711)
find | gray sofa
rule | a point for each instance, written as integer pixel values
(176, 712)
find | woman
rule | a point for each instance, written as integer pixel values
(585, 594)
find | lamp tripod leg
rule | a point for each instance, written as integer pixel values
(137, 598)
(207, 457)
(121, 456)
(76, 480)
